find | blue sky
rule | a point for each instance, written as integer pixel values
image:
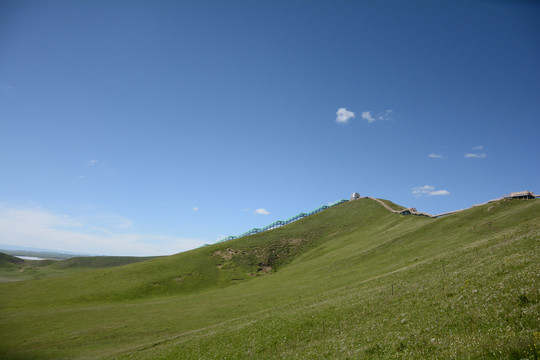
(146, 128)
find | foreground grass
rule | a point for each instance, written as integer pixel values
(351, 282)
(484, 304)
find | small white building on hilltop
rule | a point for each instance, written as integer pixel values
(355, 196)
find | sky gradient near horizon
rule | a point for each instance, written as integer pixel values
(150, 128)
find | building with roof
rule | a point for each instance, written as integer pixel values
(520, 195)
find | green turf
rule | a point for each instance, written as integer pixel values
(16, 269)
(354, 281)
(393, 205)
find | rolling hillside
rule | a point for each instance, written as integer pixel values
(8, 260)
(16, 269)
(353, 281)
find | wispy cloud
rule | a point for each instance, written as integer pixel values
(423, 190)
(428, 190)
(344, 115)
(382, 116)
(105, 234)
(195, 208)
(104, 221)
(366, 115)
(220, 237)
(7, 89)
(262, 211)
(477, 154)
(385, 115)
(436, 156)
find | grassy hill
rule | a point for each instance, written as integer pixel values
(8, 260)
(99, 261)
(354, 281)
(15, 269)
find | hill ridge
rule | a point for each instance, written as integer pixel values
(405, 211)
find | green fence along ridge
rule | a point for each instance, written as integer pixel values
(280, 223)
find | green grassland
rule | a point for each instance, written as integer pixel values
(8, 260)
(16, 269)
(354, 281)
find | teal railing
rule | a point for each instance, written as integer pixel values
(280, 223)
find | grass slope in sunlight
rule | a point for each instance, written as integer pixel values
(354, 281)
(20, 269)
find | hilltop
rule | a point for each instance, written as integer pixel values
(353, 281)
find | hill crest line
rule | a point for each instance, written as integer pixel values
(407, 211)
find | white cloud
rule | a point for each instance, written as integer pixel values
(344, 115)
(439, 192)
(92, 162)
(195, 208)
(382, 116)
(435, 156)
(7, 89)
(476, 156)
(423, 190)
(107, 220)
(262, 211)
(366, 115)
(385, 115)
(106, 234)
(428, 190)
(221, 237)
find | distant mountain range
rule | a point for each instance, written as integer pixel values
(38, 252)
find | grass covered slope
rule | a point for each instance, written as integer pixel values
(354, 281)
(16, 269)
(209, 267)
(8, 260)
